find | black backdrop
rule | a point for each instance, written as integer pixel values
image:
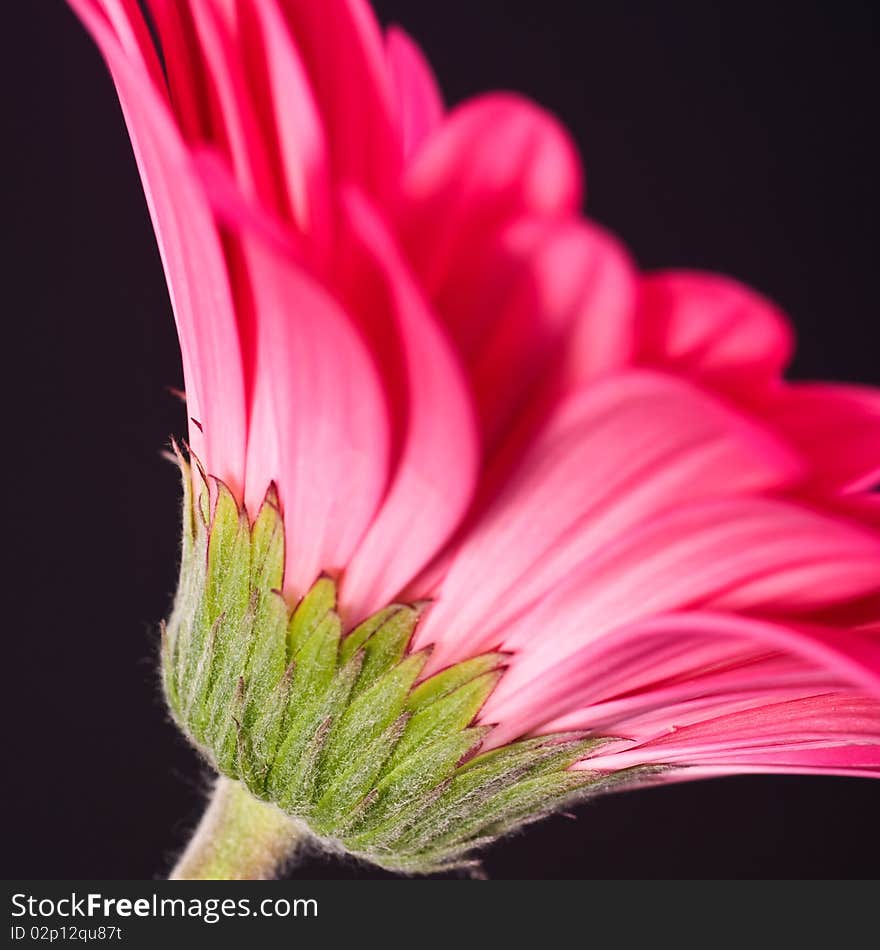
(716, 135)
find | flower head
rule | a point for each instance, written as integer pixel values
(407, 352)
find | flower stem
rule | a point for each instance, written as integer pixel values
(238, 839)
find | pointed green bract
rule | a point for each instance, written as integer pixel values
(388, 634)
(335, 727)
(317, 604)
(446, 716)
(448, 680)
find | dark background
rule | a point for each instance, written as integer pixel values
(716, 135)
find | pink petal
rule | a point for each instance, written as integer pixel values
(192, 96)
(438, 465)
(319, 426)
(734, 554)
(680, 668)
(495, 158)
(126, 20)
(852, 761)
(344, 54)
(420, 105)
(554, 305)
(279, 77)
(193, 259)
(613, 455)
(855, 761)
(864, 508)
(830, 731)
(605, 326)
(234, 211)
(237, 125)
(713, 328)
(836, 427)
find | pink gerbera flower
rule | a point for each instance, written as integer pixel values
(406, 349)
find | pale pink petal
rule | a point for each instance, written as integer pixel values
(420, 105)
(613, 455)
(684, 668)
(825, 731)
(438, 464)
(853, 761)
(713, 328)
(495, 158)
(750, 554)
(193, 259)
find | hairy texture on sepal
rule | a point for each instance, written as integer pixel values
(333, 726)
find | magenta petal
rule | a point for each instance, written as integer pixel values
(237, 125)
(552, 307)
(344, 53)
(193, 98)
(302, 157)
(420, 105)
(711, 327)
(494, 159)
(816, 416)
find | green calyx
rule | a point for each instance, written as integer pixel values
(335, 727)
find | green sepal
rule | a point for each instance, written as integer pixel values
(382, 640)
(311, 610)
(312, 672)
(369, 714)
(481, 778)
(355, 778)
(299, 794)
(448, 680)
(412, 779)
(445, 716)
(336, 728)
(267, 546)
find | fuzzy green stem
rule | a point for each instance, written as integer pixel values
(238, 839)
